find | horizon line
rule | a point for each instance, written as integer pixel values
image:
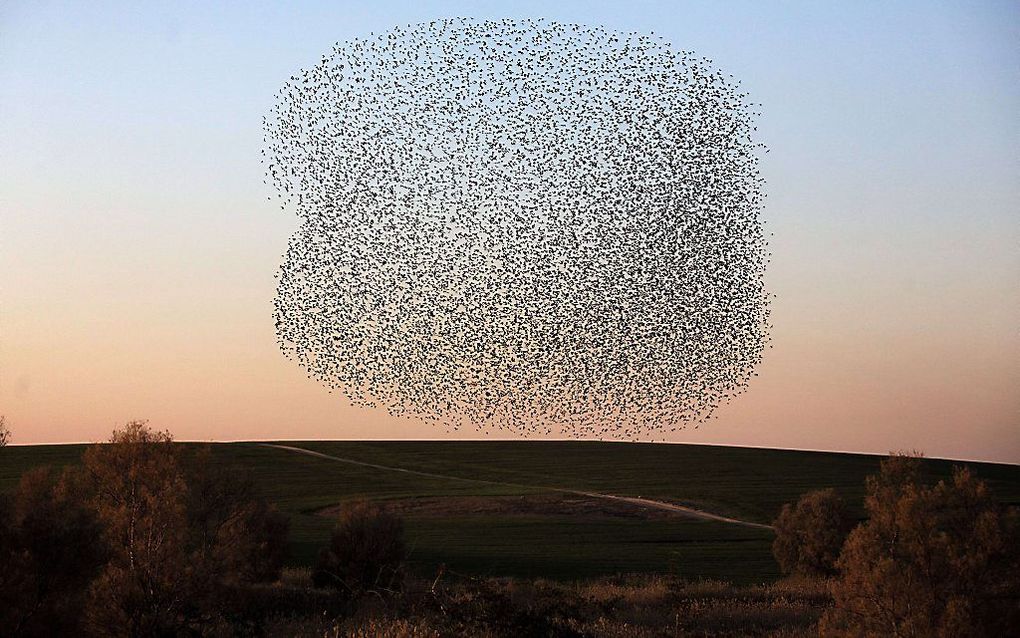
(548, 440)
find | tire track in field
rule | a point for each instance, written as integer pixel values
(637, 501)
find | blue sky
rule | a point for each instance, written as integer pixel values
(137, 244)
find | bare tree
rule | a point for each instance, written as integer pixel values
(5, 432)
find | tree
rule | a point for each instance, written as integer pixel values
(176, 529)
(5, 432)
(940, 560)
(136, 487)
(365, 551)
(141, 540)
(239, 536)
(48, 555)
(810, 534)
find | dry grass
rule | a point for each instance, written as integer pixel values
(624, 607)
(665, 607)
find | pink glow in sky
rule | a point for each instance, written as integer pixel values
(138, 248)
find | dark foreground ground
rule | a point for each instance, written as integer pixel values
(611, 607)
(528, 531)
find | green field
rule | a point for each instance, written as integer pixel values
(751, 484)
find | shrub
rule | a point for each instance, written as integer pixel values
(239, 537)
(48, 555)
(365, 551)
(940, 560)
(810, 534)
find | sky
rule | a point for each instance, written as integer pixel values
(138, 247)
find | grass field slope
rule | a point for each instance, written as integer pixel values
(496, 507)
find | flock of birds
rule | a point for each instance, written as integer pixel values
(521, 225)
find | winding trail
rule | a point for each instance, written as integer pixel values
(633, 500)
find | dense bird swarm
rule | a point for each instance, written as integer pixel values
(521, 225)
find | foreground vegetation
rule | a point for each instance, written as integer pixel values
(145, 537)
(617, 607)
(138, 540)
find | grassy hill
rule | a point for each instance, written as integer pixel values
(751, 484)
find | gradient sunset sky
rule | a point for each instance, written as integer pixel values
(138, 248)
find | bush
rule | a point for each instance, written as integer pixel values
(365, 552)
(810, 534)
(48, 555)
(940, 560)
(239, 537)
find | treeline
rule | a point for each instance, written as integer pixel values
(149, 538)
(141, 539)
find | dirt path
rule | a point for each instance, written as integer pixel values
(633, 500)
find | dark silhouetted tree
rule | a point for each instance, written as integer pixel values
(810, 534)
(365, 552)
(176, 529)
(940, 560)
(48, 555)
(239, 536)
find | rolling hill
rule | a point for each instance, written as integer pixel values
(520, 507)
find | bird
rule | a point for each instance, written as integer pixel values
(521, 226)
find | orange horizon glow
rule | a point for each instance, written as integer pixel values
(138, 248)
